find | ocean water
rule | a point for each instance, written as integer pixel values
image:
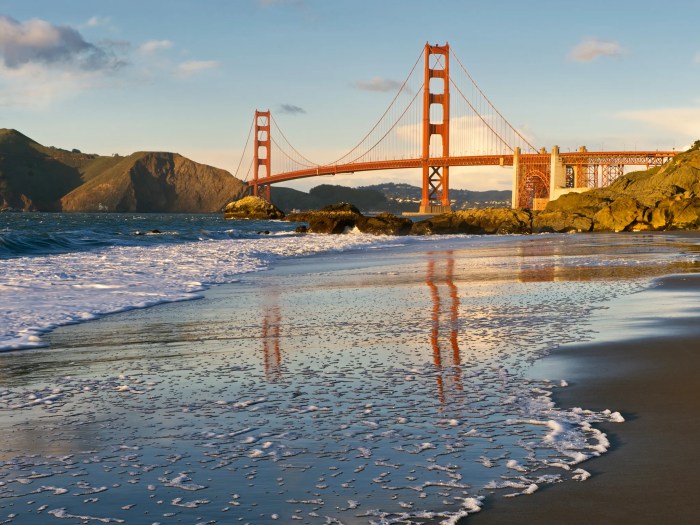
(58, 269)
(330, 379)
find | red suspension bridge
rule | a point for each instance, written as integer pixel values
(441, 118)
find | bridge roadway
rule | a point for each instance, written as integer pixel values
(632, 158)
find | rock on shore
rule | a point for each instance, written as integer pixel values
(252, 208)
(343, 217)
(662, 198)
(477, 221)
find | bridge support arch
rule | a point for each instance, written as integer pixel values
(435, 196)
(262, 142)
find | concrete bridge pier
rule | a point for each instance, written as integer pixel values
(517, 173)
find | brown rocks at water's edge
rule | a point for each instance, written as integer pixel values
(476, 221)
(343, 217)
(252, 208)
(662, 198)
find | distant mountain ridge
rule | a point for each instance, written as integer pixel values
(390, 197)
(34, 177)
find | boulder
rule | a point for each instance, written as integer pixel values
(476, 221)
(342, 217)
(252, 208)
(586, 204)
(560, 222)
(385, 224)
(684, 213)
(326, 221)
(622, 214)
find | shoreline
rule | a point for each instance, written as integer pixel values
(648, 475)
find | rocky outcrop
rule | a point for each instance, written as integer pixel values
(662, 198)
(341, 218)
(560, 222)
(344, 217)
(385, 224)
(476, 221)
(335, 218)
(252, 208)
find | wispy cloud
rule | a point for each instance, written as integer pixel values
(696, 60)
(682, 121)
(96, 21)
(40, 42)
(290, 109)
(195, 66)
(155, 45)
(378, 84)
(593, 48)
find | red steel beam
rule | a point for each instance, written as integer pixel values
(612, 157)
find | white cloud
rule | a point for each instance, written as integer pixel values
(195, 66)
(682, 121)
(40, 42)
(592, 48)
(378, 84)
(155, 45)
(696, 60)
(41, 62)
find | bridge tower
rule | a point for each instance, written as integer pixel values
(262, 142)
(436, 178)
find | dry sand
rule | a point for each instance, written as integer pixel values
(650, 475)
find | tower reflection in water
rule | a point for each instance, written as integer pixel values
(272, 355)
(444, 318)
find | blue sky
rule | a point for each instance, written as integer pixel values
(175, 75)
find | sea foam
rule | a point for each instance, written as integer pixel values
(42, 293)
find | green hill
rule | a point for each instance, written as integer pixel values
(34, 177)
(156, 182)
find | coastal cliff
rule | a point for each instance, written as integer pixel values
(34, 177)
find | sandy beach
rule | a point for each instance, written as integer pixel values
(375, 384)
(646, 365)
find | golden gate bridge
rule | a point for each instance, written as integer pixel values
(441, 118)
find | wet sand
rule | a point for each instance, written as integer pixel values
(650, 474)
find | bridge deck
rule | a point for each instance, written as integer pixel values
(632, 158)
